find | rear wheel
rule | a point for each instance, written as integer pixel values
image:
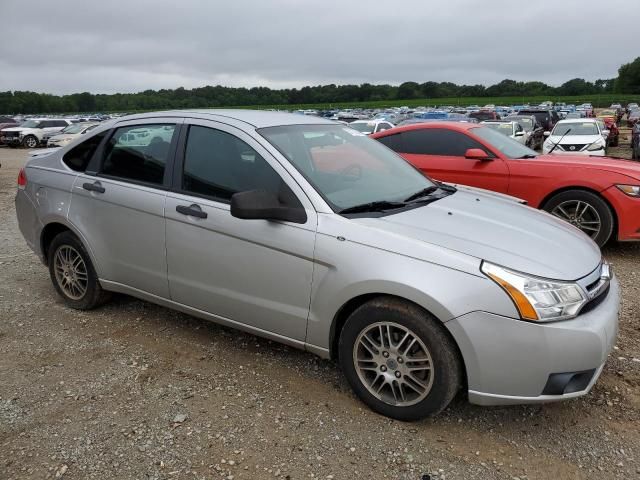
(72, 273)
(399, 360)
(30, 141)
(584, 210)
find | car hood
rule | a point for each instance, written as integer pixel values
(499, 231)
(629, 168)
(575, 139)
(14, 129)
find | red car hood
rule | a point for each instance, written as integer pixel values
(621, 166)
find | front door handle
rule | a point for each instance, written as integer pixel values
(94, 187)
(192, 210)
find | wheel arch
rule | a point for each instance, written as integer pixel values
(549, 196)
(354, 303)
(57, 226)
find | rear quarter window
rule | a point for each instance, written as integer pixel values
(78, 157)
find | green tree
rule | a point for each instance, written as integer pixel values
(628, 78)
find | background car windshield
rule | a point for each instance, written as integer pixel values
(586, 128)
(346, 167)
(504, 128)
(362, 127)
(525, 123)
(505, 145)
(75, 128)
(30, 124)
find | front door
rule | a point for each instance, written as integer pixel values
(253, 272)
(440, 153)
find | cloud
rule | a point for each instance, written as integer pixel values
(127, 46)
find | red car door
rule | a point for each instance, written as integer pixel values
(440, 153)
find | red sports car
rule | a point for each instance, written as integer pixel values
(599, 195)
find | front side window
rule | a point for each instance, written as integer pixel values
(218, 164)
(436, 141)
(138, 153)
(344, 166)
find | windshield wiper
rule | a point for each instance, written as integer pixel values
(377, 206)
(558, 142)
(425, 192)
(528, 155)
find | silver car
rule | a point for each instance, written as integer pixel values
(310, 233)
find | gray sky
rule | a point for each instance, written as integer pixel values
(111, 46)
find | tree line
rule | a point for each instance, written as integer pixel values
(25, 102)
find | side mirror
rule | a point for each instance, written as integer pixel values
(476, 154)
(520, 134)
(264, 205)
(547, 134)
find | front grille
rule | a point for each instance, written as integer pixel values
(10, 134)
(573, 147)
(593, 304)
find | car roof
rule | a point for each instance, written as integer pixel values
(255, 118)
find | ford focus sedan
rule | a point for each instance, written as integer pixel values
(310, 233)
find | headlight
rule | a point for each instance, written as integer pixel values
(538, 299)
(631, 190)
(595, 146)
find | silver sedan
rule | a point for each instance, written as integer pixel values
(307, 232)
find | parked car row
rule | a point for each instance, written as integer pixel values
(314, 234)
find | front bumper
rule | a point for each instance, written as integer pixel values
(510, 361)
(627, 212)
(11, 140)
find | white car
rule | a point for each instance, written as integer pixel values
(69, 134)
(371, 126)
(509, 128)
(576, 136)
(31, 133)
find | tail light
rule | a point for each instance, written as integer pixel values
(22, 179)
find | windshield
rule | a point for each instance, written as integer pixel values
(504, 128)
(30, 124)
(75, 128)
(505, 145)
(365, 127)
(347, 168)
(577, 128)
(525, 123)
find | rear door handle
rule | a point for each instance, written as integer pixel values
(193, 210)
(93, 187)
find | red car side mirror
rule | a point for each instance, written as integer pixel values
(477, 154)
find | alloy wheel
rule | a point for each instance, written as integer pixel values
(393, 363)
(71, 272)
(580, 214)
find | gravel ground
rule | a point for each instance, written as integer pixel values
(136, 391)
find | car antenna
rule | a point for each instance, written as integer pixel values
(558, 142)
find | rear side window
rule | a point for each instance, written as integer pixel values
(79, 156)
(392, 141)
(435, 141)
(218, 164)
(138, 153)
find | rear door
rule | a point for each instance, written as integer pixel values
(118, 203)
(251, 272)
(440, 153)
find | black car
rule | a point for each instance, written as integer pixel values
(546, 118)
(530, 124)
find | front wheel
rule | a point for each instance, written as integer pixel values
(586, 211)
(72, 273)
(399, 360)
(30, 141)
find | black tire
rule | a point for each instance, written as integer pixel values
(30, 141)
(94, 295)
(607, 220)
(446, 363)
